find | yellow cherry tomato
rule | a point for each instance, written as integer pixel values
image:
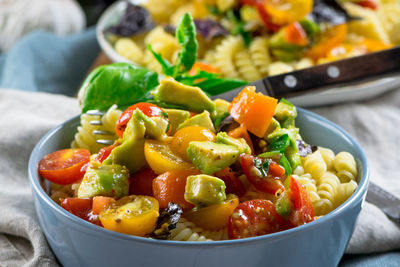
(283, 12)
(132, 215)
(161, 158)
(214, 217)
(184, 136)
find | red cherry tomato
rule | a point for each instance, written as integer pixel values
(233, 184)
(269, 184)
(150, 110)
(262, 12)
(64, 166)
(81, 207)
(141, 183)
(303, 211)
(104, 153)
(371, 4)
(254, 218)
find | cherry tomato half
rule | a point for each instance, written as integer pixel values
(254, 218)
(303, 209)
(104, 153)
(81, 207)
(64, 166)
(141, 183)
(148, 109)
(269, 184)
(232, 182)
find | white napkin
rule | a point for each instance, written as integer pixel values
(25, 117)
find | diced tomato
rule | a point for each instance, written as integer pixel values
(141, 183)
(371, 4)
(100, 203)
(254, 218)
(104, 153)
(81, 207)
(252, 110)
(232, 182)
(64, 166)
(148, 109)
(269, 184)
(303, 209)
(170, 187)
(276, 170)
(294, 34)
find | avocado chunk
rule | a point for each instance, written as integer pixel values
(104, 180)
(274, 124)
(240, 143)
(211, 157)
(284, 205)
(158, 128)
(176, 117)
(193, 98)
(204, 190)
(131, 151)
(285, 112)
(203, 119)
(221, 111)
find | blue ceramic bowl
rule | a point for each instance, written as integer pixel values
(76, 242)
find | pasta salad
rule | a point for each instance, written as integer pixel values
(250, 39)
(185, 167)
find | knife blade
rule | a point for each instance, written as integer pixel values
(325, 76)
(387, 202)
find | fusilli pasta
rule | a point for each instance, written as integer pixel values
(188, 231)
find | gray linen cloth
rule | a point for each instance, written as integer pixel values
(25, 117)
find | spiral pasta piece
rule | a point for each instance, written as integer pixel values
(84, 138)
(224, 56)
(279, 67)
(260, 55)
(315, 165)
(128, 48)
(245, 66)
(346, 166)
(328, 155)
(344, 191)
(188, 231)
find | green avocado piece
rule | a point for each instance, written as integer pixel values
(193, 98)
(204, 190)
(284, 111)
(104, 180)
(176, 117)
(274, 124)
(157, 130)
(284, 205)
(202, 119)
(211, 157)
(283, 50)
(131, 151)
(221, 111)
(240, 143)
(118, 83)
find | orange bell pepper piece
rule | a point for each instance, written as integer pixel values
(253, 110)
(241, 132)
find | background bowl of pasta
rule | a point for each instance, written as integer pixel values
(322, 242)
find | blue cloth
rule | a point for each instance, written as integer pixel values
(44, 62)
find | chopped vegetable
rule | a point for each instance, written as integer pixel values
(204, 190)
(303, 211)
(100, 203)
(64, 166)
(132, 215)
(141, 182)
(253, 110)
(232, 182)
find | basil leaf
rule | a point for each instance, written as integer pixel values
(215, 86)
(286, 165)
(262, 166)
(280, 143)
(186, 36)
(166, 66)
(118, 83)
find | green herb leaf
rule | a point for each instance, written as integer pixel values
(286, 165)
(280, 143)
(118, 83)
(186, 36)
(262, 166)
(166, 66)
(238, 27)
(215, 86)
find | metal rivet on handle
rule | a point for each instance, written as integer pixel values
(333, 71)
(290, 81)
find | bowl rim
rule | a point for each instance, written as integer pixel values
(39, 191)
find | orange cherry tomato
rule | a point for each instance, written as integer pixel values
(368, 4)
(148, 109)
(141, 183)
(184, 136)
(64, 166)
(170, 187)
(104, 153)
(241, 132)
(100, 203)
(303, 209)
(254, 218)
(81, 207)
(295, 34)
